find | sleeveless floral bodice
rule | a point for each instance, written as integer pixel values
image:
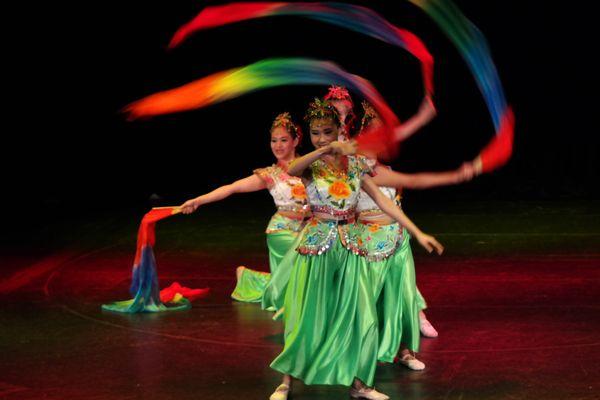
(334, 193)
(365, 202)
(289, 194)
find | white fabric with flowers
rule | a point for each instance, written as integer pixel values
(333, 192)
(287, 191)
(366, 203)
(289, 194)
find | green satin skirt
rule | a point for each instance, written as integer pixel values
(273, 297)
(421, 300)
(398, 301)
(251, 286)
(331, 332)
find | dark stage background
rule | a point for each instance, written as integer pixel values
(83, 63)
(515, 295)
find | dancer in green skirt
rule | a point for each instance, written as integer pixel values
(331, 333)
(391, 265)
(340, 98)
(289, 195)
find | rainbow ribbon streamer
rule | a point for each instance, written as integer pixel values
(269, 73)
(356, 18)
(144, 281)
(469, 40)
(473, 47)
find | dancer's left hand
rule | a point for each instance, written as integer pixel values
(189, 206)
(430, 243)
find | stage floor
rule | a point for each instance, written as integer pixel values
(515, 299)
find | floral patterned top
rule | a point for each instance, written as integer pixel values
(366, 203)
(334, 193)
(377, 242)
(289, 194)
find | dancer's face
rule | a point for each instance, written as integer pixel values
(323, 132)
(283, 143)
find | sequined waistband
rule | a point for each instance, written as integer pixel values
(336, 221)
(333, 213)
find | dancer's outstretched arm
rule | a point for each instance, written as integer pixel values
(388, 206)
(250, 184)
(423, 180)
(425, 114)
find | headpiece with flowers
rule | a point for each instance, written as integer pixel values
(368, 115)
(285, 120)
(322, 109)
(338, 93)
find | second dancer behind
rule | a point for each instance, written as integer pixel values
(289, 196)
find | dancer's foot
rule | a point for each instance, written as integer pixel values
(361, 391)
(367, 393)
(425, 326)
(239, 271)
(281, 393)
(407, 359)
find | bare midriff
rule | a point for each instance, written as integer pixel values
(379, 218)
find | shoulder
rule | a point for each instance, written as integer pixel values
(266, 174)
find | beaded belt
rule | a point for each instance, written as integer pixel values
(334, 213)
(338, 221)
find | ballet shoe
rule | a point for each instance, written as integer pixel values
(411, 362)
(427, 329)
(281, 393)
(367, 393)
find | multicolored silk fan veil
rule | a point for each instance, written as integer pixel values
(147, 296)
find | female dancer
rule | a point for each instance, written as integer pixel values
(290, 199)
(342, 101)
(330, 319)
(340, 98)
(390, 258)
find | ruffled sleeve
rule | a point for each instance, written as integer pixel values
(266, 174)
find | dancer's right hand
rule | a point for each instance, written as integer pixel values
(189, 206)
(466, 172)
(427, 109)
(344, 148)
